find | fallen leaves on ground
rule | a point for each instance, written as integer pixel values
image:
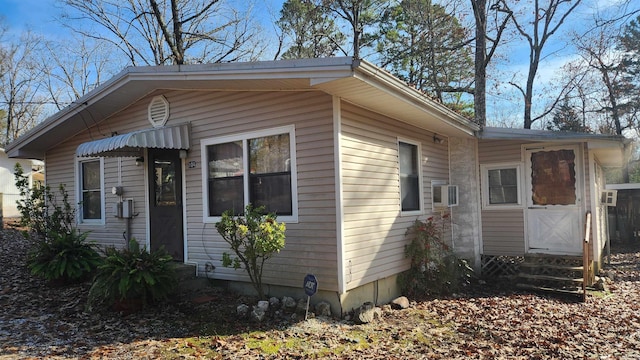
(39, 320)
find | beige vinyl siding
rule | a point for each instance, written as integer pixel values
(503, 231)
(310, 243)
(61, 168)
(374, 229)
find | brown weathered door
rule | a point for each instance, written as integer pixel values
(165, 201)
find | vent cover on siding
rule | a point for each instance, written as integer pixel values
(158, 111)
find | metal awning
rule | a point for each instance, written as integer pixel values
(133, 143)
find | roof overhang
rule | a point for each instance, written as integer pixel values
(358, 82)
(132, 144)
(610, 150)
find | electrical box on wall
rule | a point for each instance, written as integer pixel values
(124, 209)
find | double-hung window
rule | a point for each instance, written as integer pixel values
(501, 185)
(256, 168)
(410, 180)
(91, 192)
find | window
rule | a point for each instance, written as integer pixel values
(91, 191)
(256, 168)
(501, 185)
(410, 195)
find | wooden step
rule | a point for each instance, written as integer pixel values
(552, 266)
(550, 278)
(577, 291)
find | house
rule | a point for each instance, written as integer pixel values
(8, 190)
(346, 154)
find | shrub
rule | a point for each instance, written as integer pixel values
(435, 269)
(40, 209)
(254, 238)
(64, 256)
(133, 274)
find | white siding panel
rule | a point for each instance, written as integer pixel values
(374, 229)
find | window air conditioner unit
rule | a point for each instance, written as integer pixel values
(444, 195)
(609, 197)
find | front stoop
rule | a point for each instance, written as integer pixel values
(552, 273)
(188, 281)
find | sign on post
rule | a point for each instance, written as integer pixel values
(310, 288)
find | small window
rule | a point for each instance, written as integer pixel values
(501, 185)
(409, 176)
(256, 168)
(91, 191)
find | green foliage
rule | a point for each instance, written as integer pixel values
(313, 32)
(565, 118)
(254, 237)
(423, 44)
(133, 273)
(64, 256)
(40, 209)
(435, 269)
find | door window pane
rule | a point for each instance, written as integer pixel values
(165, 182)
(553, 177)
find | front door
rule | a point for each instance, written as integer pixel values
(165, 201)
(554, 200)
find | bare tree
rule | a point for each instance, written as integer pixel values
(544, 23)
(73, 68)
(20, 81)
(159, 32)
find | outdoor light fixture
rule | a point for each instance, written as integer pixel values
(437, 139)
(139, 161)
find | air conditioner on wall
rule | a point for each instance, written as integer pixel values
(609, 197)
(444, 195)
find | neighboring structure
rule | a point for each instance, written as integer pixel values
(8, 190)
(347, 155)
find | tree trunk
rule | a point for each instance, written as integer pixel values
(479, 91)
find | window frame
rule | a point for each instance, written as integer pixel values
(244, 138)
(484, 169)
(80, 190)
(418, 164)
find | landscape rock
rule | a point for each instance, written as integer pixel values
(400, 303)
(258, 314)
(289, 304)
(263, 305)
(323, 308)
(274, 303)
(367, 313)
(301, 307)
(242, 310)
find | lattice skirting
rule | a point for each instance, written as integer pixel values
(498, 266)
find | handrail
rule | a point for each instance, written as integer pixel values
(585, 256)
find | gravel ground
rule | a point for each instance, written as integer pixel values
(39, 320)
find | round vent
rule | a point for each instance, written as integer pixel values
(158, 111)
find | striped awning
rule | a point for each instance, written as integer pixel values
(133, 143)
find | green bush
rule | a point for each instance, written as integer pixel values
(67, 257)
(133, 274)
(435, 269)
(40, 208)
(254, 237)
